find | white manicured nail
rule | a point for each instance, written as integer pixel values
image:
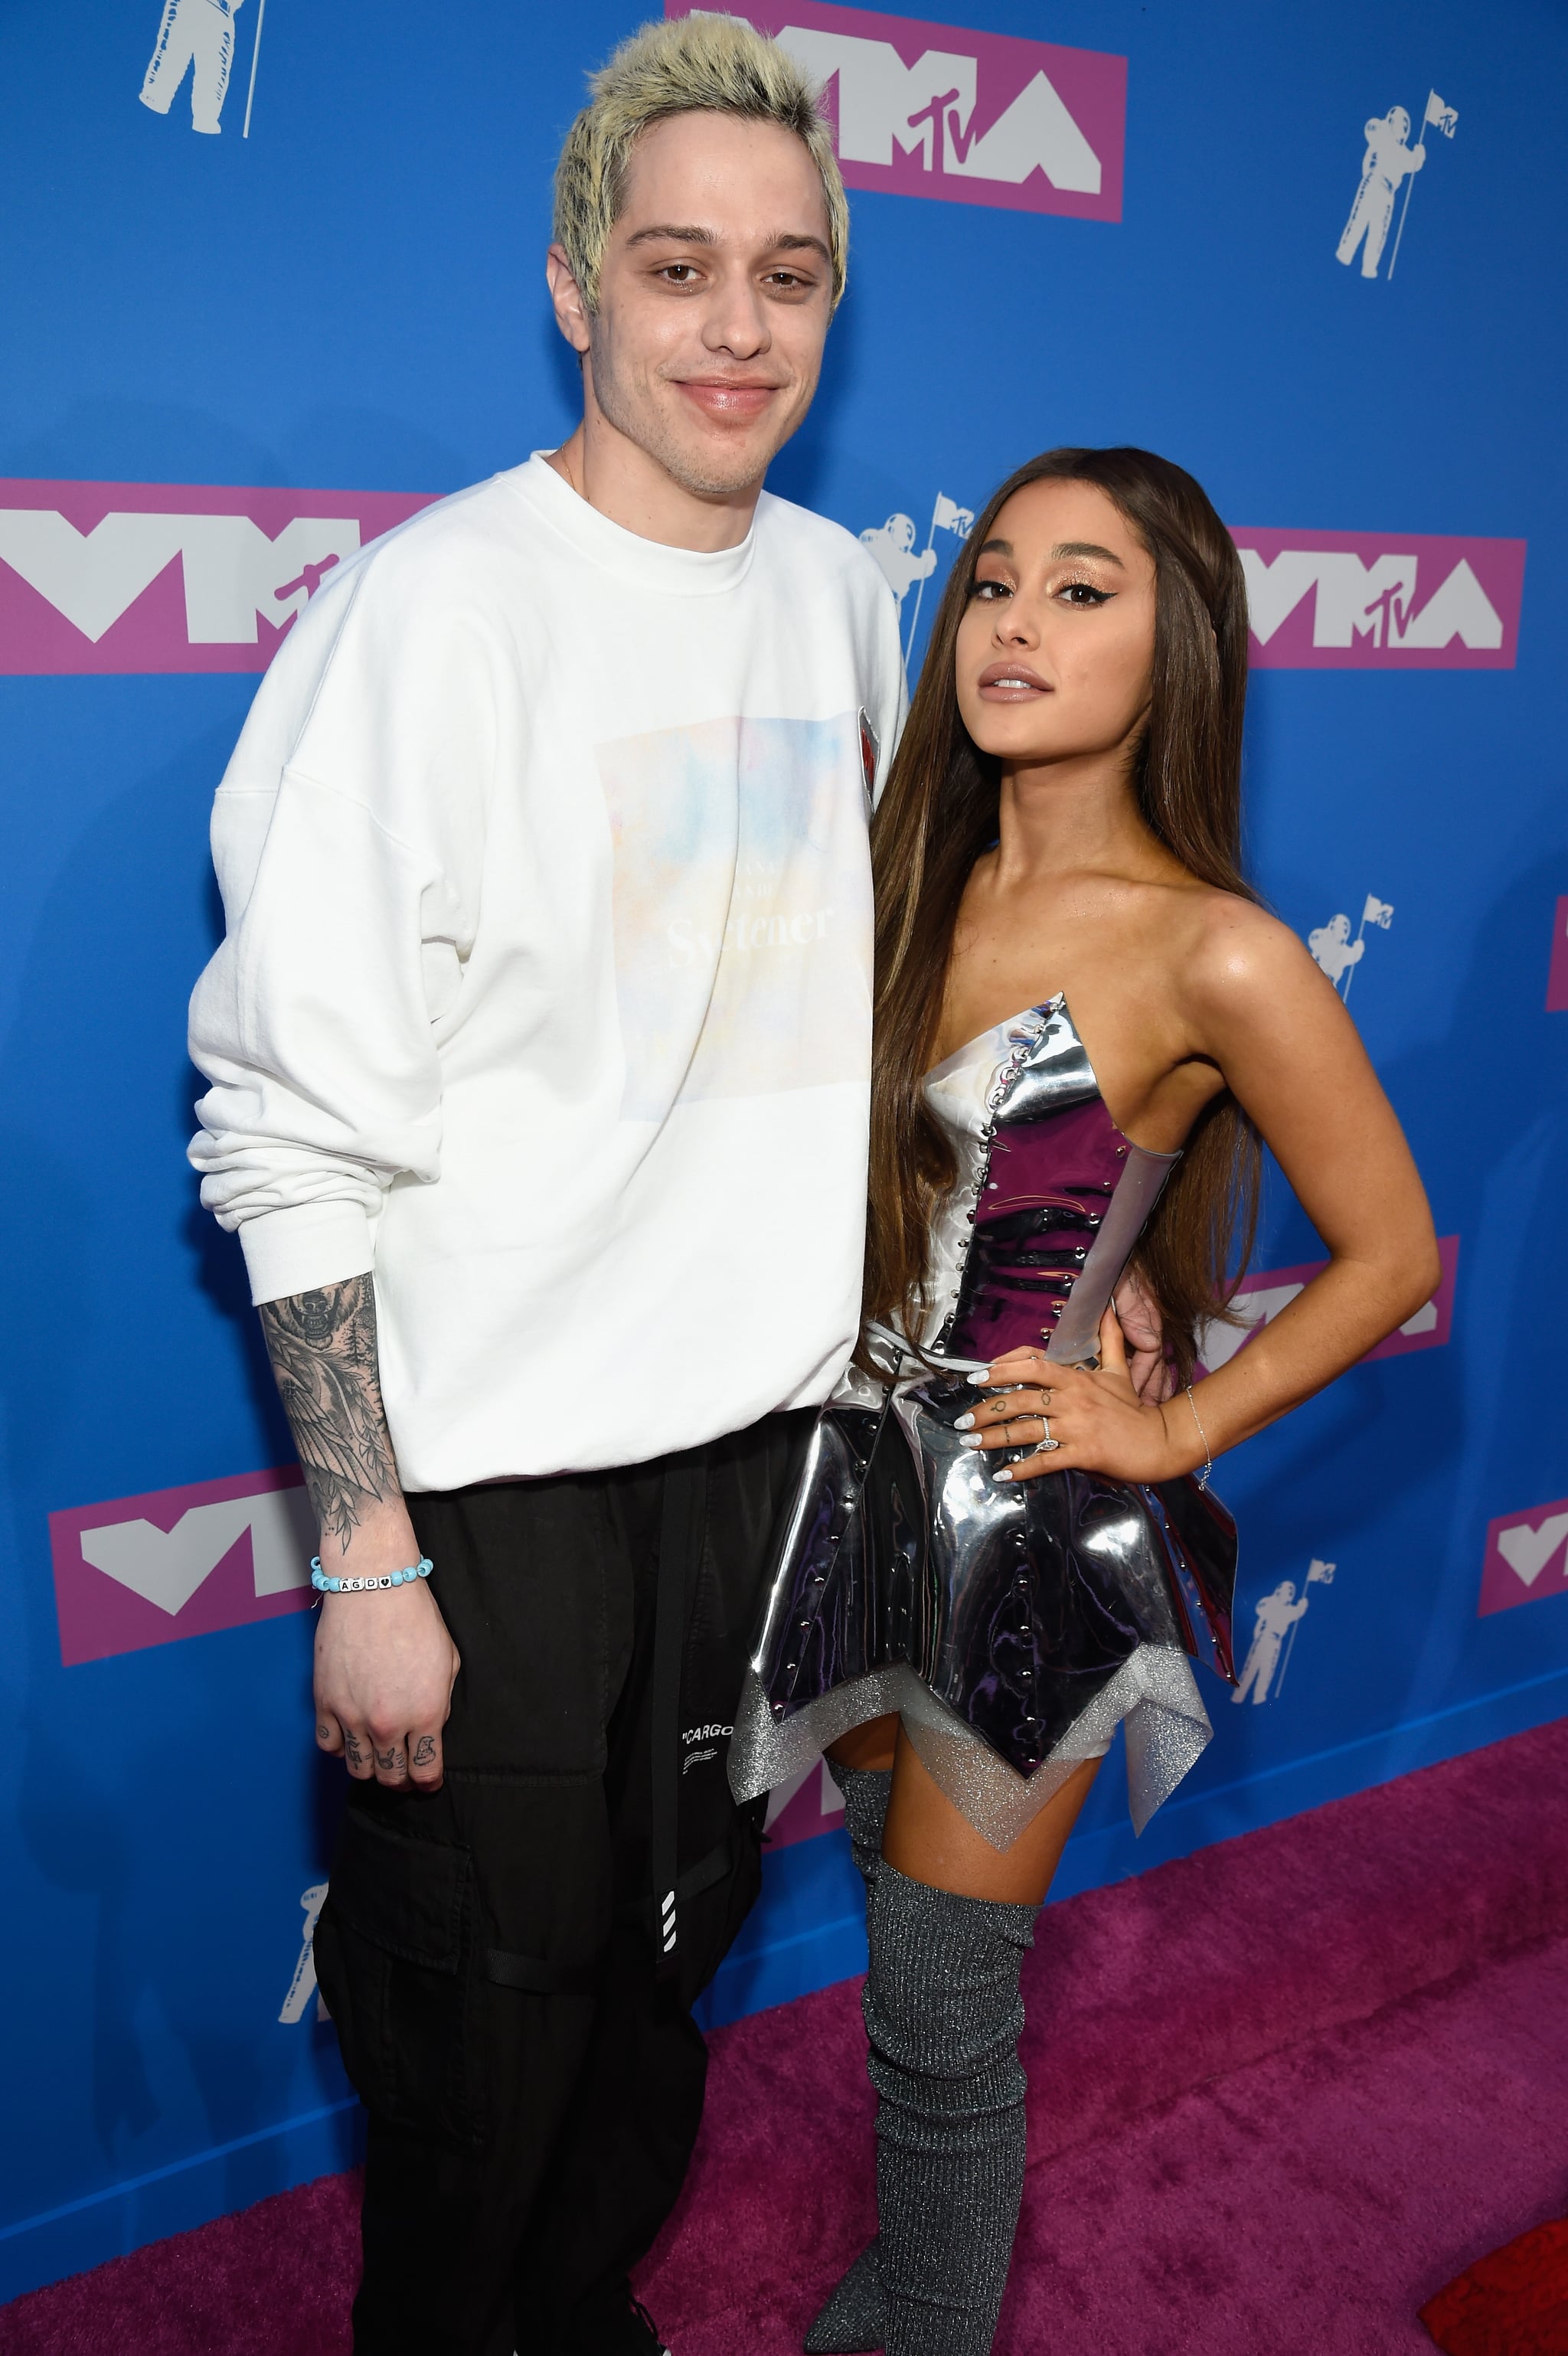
(963, 1423)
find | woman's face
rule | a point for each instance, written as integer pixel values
(1057, 643)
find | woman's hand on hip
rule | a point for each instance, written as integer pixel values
(1091, 1419)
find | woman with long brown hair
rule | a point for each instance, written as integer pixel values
(1086, 1024)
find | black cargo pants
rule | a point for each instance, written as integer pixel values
(497, 1956)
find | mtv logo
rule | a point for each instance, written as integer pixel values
(803, 1806)
(1326, 600)
(169, 577)
(1526, 1557)
(1269, 1290)
(926, 110)
(181, 1562)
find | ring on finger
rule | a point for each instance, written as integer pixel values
(1046, 1441)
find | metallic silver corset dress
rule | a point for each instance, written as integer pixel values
(1013, 1628)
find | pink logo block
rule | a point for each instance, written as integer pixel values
(922, 110)
(1557, 971)
(1527, 1557)
(1380, 601)
(1268, 1290)
(798, 1811)
(169, 576)
(181, 1562)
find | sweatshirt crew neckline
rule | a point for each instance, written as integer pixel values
(647, 563)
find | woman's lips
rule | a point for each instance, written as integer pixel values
(720, 399)
(1004, 682)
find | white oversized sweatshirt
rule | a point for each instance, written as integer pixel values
(546, 989)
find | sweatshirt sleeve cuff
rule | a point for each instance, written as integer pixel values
(306, 1248)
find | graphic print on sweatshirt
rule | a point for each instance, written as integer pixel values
(742, 909)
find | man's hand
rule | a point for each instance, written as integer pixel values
(1153, 1375)
(385, 1666)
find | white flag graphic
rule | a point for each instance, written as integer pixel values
(1442, 117)
(948, 516)
(1378, 912)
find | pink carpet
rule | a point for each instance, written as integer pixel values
(1281, 2093)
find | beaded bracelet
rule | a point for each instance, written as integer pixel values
(326, 1586)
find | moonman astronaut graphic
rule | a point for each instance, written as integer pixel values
(1387, 164)
(892, 545)
(199, 34)
(1333, 950)
(1276, 1616)
(303, 1986)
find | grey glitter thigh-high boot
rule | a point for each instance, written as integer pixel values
(943, 2015)
(855, 2316)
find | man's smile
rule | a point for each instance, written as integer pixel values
(721, 398)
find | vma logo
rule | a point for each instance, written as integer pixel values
(181, 1562)
(1526, 1557)
(169, 577)
(1355, 601)
(925, 110)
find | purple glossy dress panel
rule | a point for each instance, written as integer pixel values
(1016, 1604)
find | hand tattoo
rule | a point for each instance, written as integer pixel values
(424, 1751)
(322, 1733)
(390, 1760)
(352, 1751)
(323, 1349)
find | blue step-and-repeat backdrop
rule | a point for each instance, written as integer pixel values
(271, 278)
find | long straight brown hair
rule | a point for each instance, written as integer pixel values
(939, 813)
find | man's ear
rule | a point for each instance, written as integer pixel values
(566, 295)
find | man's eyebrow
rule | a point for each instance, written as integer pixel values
(674, 233)
(797, 241)
(693, 233)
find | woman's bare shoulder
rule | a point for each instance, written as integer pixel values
(1239, 957)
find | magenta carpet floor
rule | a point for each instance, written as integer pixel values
(1281, 2093)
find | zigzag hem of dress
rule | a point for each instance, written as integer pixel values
(1153, 1694)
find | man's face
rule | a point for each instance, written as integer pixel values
(714, 299)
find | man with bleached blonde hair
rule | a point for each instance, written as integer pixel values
(539, 1051)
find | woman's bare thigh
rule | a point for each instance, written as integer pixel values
(871, 1745)
(928, 1840)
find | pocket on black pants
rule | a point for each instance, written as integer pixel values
(394, 1955)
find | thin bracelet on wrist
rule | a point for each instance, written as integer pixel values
(325, 1585)
(1209, 1465)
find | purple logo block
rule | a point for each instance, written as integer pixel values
(1557, 971)
(1527, 1557)
(181, 1562)
(1380, 601)
(921, 109)
(169, 576)
(805, 1805)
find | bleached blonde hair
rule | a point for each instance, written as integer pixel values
(687, 65)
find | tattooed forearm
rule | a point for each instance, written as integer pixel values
(323, 1349)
